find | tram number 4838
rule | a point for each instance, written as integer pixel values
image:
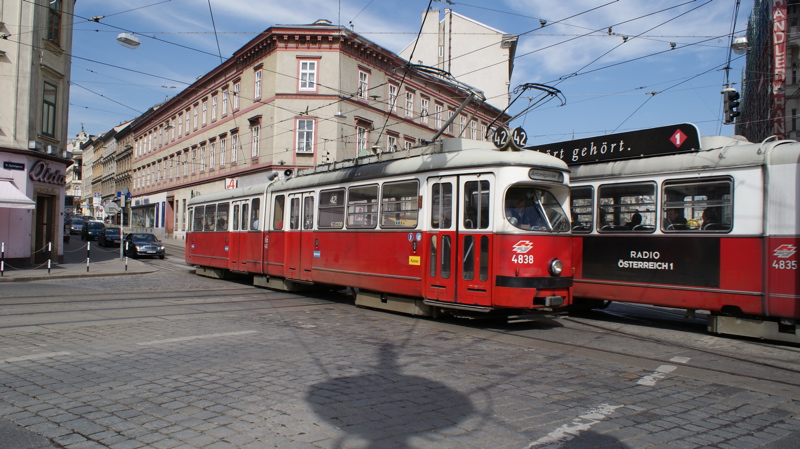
(522, 258)
(784, 264)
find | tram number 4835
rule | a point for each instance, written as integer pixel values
(784, 264)
(522, 258)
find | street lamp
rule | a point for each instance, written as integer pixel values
(128, 40)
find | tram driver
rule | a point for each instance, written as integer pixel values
(523, 216)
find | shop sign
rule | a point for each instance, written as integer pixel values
(42, 172)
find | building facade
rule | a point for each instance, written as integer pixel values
(34, 85)
(770, 84)
(473, 52)
(293, 97)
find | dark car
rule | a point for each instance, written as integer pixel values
(140, 244)
(110, 236)
(91, 230)
(75, 225)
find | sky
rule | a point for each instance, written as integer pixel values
(621, 65)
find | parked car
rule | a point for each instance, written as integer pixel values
(75, 225)
(140, 244)
(91, 230)
(110, 236)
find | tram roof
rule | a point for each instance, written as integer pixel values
(717, 152)
(449, 154)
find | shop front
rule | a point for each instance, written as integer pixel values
(148, 214)
(32, 196)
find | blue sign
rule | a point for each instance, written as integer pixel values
(13, 166)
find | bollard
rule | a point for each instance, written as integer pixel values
(2, 258)
(88, 253)
(126, 264)
(48, 266)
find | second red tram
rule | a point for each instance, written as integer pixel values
(421, 231)
(712, 229)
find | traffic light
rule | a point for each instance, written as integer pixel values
(730, 106)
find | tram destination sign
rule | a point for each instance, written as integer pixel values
(682, 138)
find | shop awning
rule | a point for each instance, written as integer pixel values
(12, 198)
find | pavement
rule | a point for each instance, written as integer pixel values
(102, 261)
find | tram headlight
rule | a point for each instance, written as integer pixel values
(556, 267)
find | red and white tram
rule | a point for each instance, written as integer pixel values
(420, 231)
(712, 229)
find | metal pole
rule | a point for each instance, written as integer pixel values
(122, 234)
(2, 258)
(88, 253)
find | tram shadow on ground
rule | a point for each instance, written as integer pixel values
(386, 408)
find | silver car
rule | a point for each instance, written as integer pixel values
(140, 244)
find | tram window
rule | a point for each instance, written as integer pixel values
(582, 208)
(294, 214)
(434, 259)
(308, 212)
(441, 205)
(197, 222)
(476, 204)
(277, 213)
(446, 263)
(400, 204)
(245, 215)
(483, 265)
(255, 213)
(362, 207)
(235, 217)
(331, 209)
(698, 206)
(535, 208)
(627, 207)
(222, 216)
(468, 266)
(210, 217)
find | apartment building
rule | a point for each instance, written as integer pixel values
(294, 97)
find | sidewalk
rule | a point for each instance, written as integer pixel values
(102, 262)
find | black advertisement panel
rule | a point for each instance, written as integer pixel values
(688, 261)
(672, 139)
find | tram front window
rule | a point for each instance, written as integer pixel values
(535, 209)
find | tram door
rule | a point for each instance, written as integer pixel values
(458, 243)
(473, 250)
(300, 238)
(239, 214)
(439, 276)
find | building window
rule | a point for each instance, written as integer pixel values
(212, 149)
(203, 158)
(234, 147)
(437, 116)
(308, 76)
(451, 126)
(363, 85)
(188, 115)
(195, 117)
(257, 85)
(254, 153)
(305, 136)
(186, 164)
(54, 22)
(236, 88)
(50, 94)
(392, 98)
(225, 102)
(205, 112)
(361, 141)
(180, 125)
(409, 104)
(222, 144)
(194, 160)
(462, 124)
(213, 108)
(171, 126)
(391, 144)
(423, 110)
(473, 130)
